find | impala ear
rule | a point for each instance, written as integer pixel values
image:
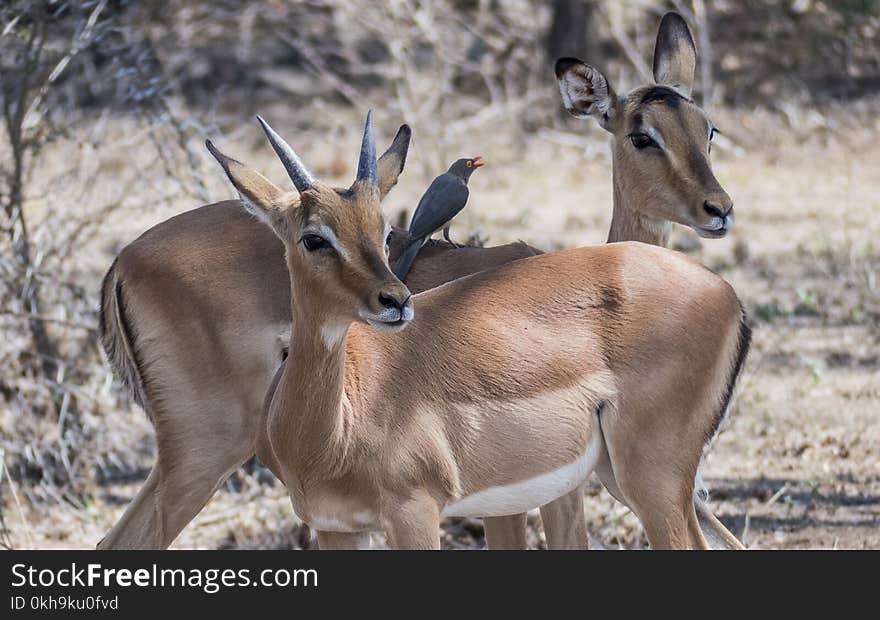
(392, 161)
(675, 54)
(586, 92)
(259, 195)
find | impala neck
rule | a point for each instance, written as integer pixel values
(628, 225)
(311, 420)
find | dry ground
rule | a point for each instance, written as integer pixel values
(798, 464)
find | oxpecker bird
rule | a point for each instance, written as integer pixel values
(445, 197)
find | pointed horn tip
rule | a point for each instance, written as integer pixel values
(368, 126)
(297, 172)
(367, 161)
(268, 129)
(266, 126)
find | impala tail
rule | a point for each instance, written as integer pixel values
(117, 336)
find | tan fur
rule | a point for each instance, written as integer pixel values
(213, 372)
(655, 186)
(650, 190)
(480, 391)
(662, 188)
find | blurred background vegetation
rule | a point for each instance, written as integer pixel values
(105, 105)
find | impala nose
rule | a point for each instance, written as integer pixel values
(394, 300)
(396, 303)
(716, 210)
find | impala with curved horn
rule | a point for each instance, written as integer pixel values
(506, 388)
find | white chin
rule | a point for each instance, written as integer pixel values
(383, 326)
(707, 233)
(723, 227)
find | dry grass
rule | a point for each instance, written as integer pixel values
(798, 465)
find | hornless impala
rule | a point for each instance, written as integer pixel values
(661, 174)
(503, 393)
(198, 350)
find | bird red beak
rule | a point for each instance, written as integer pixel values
(478, 162)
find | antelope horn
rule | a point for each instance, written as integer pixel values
(367, 162)
(297, 171)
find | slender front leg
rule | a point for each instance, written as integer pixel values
(413, 522)
(564, 524)
(328, 541)
(505, 533)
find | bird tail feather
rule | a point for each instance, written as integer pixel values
(406, 258)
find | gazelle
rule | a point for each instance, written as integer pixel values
(503, 393)
(198, 350)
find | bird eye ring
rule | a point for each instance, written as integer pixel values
(469, 164)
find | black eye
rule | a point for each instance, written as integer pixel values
(711, 137)
(314, 242)
(641, 140)
(388, 240)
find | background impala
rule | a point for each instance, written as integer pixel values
(104, 153)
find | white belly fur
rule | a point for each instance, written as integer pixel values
(528, 494)
(357, 521)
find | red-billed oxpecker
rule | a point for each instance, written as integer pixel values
(445, 198)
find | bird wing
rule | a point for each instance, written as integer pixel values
(445, 197)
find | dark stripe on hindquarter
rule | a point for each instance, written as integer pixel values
(742, 351)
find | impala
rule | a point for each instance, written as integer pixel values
(504, 391)
(197, 347)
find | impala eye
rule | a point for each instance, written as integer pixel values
(641, 140)
(314, 242)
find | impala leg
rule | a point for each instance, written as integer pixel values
(664, 505)
(506, 533)
(564, 524)
(164, 505)
(717, 536)
(654, 470)
(413, 522)
(139, 527)
(168, 501)
(193, 461)
(329, 541)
